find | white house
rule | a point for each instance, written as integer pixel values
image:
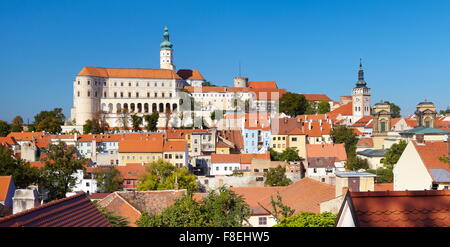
(420, 167)
(225, 164)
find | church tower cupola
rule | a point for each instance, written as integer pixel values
(166, 52)
(361, 82)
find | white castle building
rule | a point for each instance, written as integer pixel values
(141, 91)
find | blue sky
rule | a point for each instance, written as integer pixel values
(306, 46)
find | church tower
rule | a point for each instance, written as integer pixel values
(166, 52)
(426, 114)
(360, 97)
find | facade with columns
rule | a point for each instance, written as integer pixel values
(140, 91)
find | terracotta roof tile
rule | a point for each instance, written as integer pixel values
(317, 97)
(131, 170)
(326, 150)
(73, 211)
(5, 182)
(431, 151)
(344, 110)
(365, 142)
(262, 84)
(143, 144)
(190, 74)
(384, 187)
(402, 208)
(129, 73)
(175, 146)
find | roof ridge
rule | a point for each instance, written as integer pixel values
(49, 204)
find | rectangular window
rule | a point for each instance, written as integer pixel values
(262, 221)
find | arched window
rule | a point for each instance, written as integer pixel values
(161, 107)
(89, 93)
(132, 107)
(174, 107)
(78, 93)
(167, 107)
(154, 107)
(146, 107)
(139, 107)
(110, 107)
(118, 107)
(125, 106)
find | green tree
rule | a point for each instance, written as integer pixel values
(5, 128)
(136, 121)
(152, 121)
(393, 154)
(60, 165)
(114, 220)
(274, 155)
(208, 84)
(49, 121)
(323, 107)
(395, 110)
(306, 219)
(162, 175)
(97, 125)
(311, 108)
(91, 127)
(277, 177)
(289, 155)
(108, 179)
(17, 124)
(293, 104)
(355, 163)
(220, 208)
(21, 172)
(384, 175)
(279, 209)
(342, 134)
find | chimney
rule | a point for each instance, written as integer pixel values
(309, 126)
(420, 138)
(25, 199)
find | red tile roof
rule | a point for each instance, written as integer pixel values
(365, 142)
(190, 74)
(402, 208)
(326, 150)
(145, 144)
(131, 170)
(304, 195)
(96, 196)
(317, 97)
(262, 84)
(362, 122)
(8, 141)
(384, 187)
(5, 182)
(430, 152)
(73, 211)
(238, 158)
(344, 110)
(175, 146)
(129, 73)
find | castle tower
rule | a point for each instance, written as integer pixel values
(426, 114)
(360, 97)
(381, 118)
(166, 52)
(240, 81)
(86, 99)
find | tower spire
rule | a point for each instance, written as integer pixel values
(361, 82)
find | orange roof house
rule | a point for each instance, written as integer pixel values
(7, 189)
(262, 84)
(326, 150)
(317, 97)
(145, 144)
(130, 204)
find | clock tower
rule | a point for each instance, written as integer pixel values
(360, 97)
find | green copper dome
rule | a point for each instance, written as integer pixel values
(166, 43)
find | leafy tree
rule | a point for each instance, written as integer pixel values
(49, 121)
(443, 112)
(221, 208)
(97, 125)
(123, 115)
(217, 115)
(289, 155)
(162, 175)
(60, 165)
(311, 108)
(279, 209)
(152, 121)
(21, 172)
(108, 179)
(293, 104)
(91, 127)
(5, 129)
(306, 219)
(17, 124)
(342, 134)
(395, 110)
(136, 121)
(208, 84)
(114, 220)
(355, 163)
(277, 177)
(323, 107)
(393, 154)
(274, 155)
(384, 175)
